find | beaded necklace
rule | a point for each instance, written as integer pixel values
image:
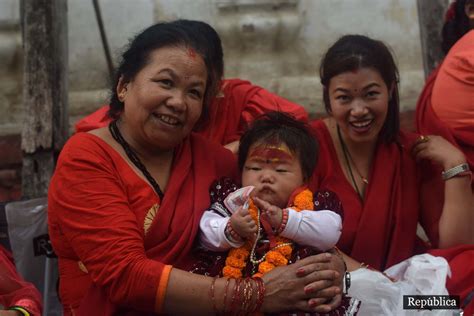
(132, 155)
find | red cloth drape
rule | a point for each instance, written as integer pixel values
(455, 82)
(238, 104)
(99, 214)
(14, 291)
(381, 230)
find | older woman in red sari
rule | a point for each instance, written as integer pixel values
(125, 200)
(381, 174)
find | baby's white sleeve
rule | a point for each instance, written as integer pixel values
(319, 229)
(212, 232)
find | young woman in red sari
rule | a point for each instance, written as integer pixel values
(126, 200)
(381, 173)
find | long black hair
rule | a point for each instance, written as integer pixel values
(352, 52)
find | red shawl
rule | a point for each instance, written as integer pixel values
(381, 231)
(238, 104)
(427, 122)
(102, 214)
(14, 291)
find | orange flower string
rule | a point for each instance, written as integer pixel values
(278, 256)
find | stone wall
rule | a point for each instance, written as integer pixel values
(274, 43)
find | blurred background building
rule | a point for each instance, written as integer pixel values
(276, 44)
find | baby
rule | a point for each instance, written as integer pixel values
(272, 220)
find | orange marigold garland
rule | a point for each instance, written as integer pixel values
(278, 256)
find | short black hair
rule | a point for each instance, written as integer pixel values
(352, 52)
(197, 35)
(281, 128)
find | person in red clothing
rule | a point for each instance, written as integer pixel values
(380, 173)
(237, 103)
(445, 105)
(125, 201)
(17, 297)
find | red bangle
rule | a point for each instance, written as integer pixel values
(233, 234)
(284, 221)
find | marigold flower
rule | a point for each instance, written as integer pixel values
(231, 272)
(276, 258)
(304, 200)
(239, 253)
(285, 251)
(265, 266)
(235, 262)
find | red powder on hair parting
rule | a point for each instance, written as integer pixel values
(191, 53)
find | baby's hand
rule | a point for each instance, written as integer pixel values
(273, 213)
(243, 223)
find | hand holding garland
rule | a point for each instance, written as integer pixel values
(243, 224)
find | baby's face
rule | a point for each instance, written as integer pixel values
(274, 171)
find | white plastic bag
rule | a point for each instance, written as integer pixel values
(32, 251)
(418, 275)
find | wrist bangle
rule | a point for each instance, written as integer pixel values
(20, 309)
(284, 221)
(231, 234)
(459, 170)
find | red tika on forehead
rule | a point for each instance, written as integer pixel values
(191, 52)
(270, 153)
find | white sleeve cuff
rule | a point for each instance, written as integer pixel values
(212, 232)
(318, 229)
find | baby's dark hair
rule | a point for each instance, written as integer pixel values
(281, 128)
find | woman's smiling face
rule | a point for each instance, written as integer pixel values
(359, 103)
(163, 102)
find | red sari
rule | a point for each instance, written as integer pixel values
(381, 230)
(104, 229)
(14, 291)
(238, 104)
(452, 84)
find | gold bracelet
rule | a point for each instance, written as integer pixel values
(20, 309)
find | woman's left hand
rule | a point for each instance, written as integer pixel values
(438, 150)
(329, 295)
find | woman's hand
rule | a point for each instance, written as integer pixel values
(312, 284)
(438, 150)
